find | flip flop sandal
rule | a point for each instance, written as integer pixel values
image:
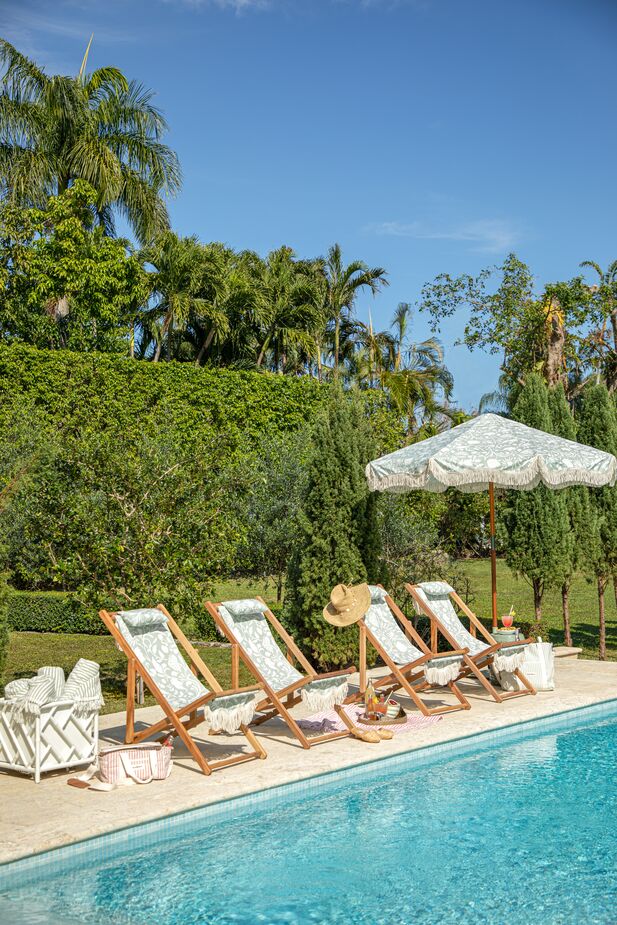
(385, 733)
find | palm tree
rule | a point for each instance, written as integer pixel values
(400, 322)
(180, 266)
(605, 294)
(97, 127)
(342, 285)
(287, 309)
(422, 388)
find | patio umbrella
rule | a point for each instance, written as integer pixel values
(490, 451)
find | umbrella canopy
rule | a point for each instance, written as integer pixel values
(491, 449)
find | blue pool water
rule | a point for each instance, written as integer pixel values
(515, 834)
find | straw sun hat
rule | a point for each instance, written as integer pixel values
(348, 603)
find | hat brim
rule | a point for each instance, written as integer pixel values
(352, 614)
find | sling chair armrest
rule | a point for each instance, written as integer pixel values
(310, 678)
(334, 674)
(425, 658)
(519, 642)
(239, 690)
(451, 653)
(490, 650)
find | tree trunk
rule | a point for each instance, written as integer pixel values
(205, 346)
(159, 346)
(279, 588)
(601, 618)
(537, 598)
(337, 333)
(556, 346)
(565, 604)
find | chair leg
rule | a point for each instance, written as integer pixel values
(459, 695)
(486, 684)
(254, 741)
(131, 680)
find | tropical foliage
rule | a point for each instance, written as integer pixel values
(98, 127)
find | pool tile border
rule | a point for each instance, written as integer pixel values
(103, 848)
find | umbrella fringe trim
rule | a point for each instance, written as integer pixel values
(478, 479)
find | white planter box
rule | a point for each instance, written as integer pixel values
(58, 738)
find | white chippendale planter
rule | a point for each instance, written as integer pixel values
(58, 738)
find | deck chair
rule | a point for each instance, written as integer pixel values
(248, 625)
(413, 667)
(147, 639)
(435, 600)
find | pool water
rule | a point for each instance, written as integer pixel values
(514, 834)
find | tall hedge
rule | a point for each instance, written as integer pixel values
(141, 491)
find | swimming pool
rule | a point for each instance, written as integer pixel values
(513, 833)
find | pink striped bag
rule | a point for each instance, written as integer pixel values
(139, 763)
(122, 765)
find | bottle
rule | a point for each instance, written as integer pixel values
(369, 698)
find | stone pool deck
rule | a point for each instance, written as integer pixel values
(35, 818)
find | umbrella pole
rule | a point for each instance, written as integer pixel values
(491, 496)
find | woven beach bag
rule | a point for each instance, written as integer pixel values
(139, 763)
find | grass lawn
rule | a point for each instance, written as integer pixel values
(583, 606)
(28, 651)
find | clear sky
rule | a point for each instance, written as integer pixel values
(425, 136)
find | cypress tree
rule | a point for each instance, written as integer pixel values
(335, 532)
(598, 427)
(368, 533)
(574, 508)
(533, 520)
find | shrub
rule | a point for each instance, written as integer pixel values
(51, 612)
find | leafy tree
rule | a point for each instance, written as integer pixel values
(96, 127)
(326, 550)
(63, 282)
(278, 477)
(598, 427)
(22, 451)
(534, 333)
(533, 525)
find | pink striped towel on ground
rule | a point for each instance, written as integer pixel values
(329, 721)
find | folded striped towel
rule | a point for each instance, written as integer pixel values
(84, 685)
(57, 676)
(17, 689)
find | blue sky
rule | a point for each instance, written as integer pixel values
(425, 136)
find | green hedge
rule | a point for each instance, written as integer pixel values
(105, 392)
(51, 612)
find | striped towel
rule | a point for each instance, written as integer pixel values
(17, 689)
(84, 686)
(57, 676)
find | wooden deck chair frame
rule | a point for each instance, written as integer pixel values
(407, 676)
(473, 664)
(172, 721)
(273, 702)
